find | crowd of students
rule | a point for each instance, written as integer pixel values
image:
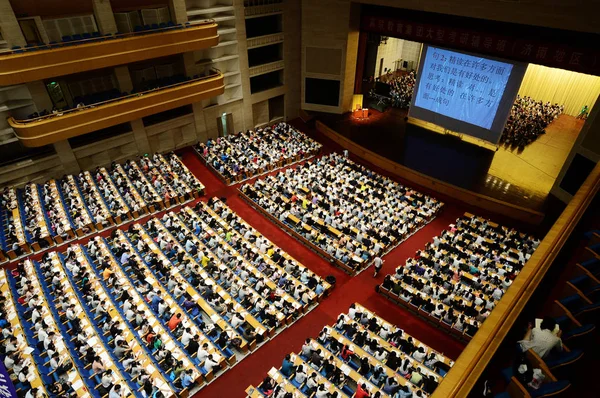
(349, 212)
(402, 89)
(458, 278)
(361, 356)
(38, 216)
(528, 120)
(169, 304)
(244, 155)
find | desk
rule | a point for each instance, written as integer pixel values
(359, 352)
(150, 278)
(99, 200)
(15, 324)
(136, 197)
(208, 232)
(94, 339)
(347, 370)
(140, 352)
(193, 293)
(258, 327)
(74, 376)
(392, 328)
(141, 305)
(270, 245)
(331, 388)
(264, 256)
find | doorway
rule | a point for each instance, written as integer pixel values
(225, 124)
(30, 31)
(57, 95)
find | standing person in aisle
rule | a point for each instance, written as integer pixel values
(378, 264)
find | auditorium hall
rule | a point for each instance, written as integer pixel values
(299, 198)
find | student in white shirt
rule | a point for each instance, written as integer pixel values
(210, 363)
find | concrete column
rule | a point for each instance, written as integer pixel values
(104, 16)
(292, 30)
(40, 95)
(178, 11)
(189, 64)
(124, 79)
(67, 157)
(199, 122)
(140, 136)
(240, 27)
(41, 29)
(11, 31)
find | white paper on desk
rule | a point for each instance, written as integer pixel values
(12, 316)
(150, 369)
(215, 318)
(104, 356)
(341, 340)
(28, 350)
(170, 346)
(149, 280)
(77, 385)
(346, 370)
(273, 372)
(260, 332)
(538, 324)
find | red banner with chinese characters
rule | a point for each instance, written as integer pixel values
(557, 55)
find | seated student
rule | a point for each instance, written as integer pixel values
(322, 392)
(416, 377)
(542, 339)
(362, 391)
(210, 363)
(300, 375)
(287, 367)
(390, 386)
(186, 379)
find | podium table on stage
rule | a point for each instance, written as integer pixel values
(361, 113)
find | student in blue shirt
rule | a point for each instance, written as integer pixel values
(186, 379)
(287, 367)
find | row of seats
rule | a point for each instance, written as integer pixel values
(457, 279)
(346, 212)
(245, 155)
(362, 355)
(90, 37)
(545, 363)
(80, 102)
(38, 216)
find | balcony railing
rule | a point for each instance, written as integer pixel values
(266, 68)
(264, 40)
(252, 11)
(58, 126)
(59, 59)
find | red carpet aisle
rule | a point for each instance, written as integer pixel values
(347, 291)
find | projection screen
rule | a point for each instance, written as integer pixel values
(466, 93)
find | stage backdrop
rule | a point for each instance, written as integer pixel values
(571, 89)
(464, 92)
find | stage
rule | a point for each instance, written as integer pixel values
(521, 178)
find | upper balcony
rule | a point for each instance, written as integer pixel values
(83, 54)
(59, 126)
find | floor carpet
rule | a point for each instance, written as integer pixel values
(348, 290)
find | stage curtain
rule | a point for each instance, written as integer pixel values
(571, 89)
